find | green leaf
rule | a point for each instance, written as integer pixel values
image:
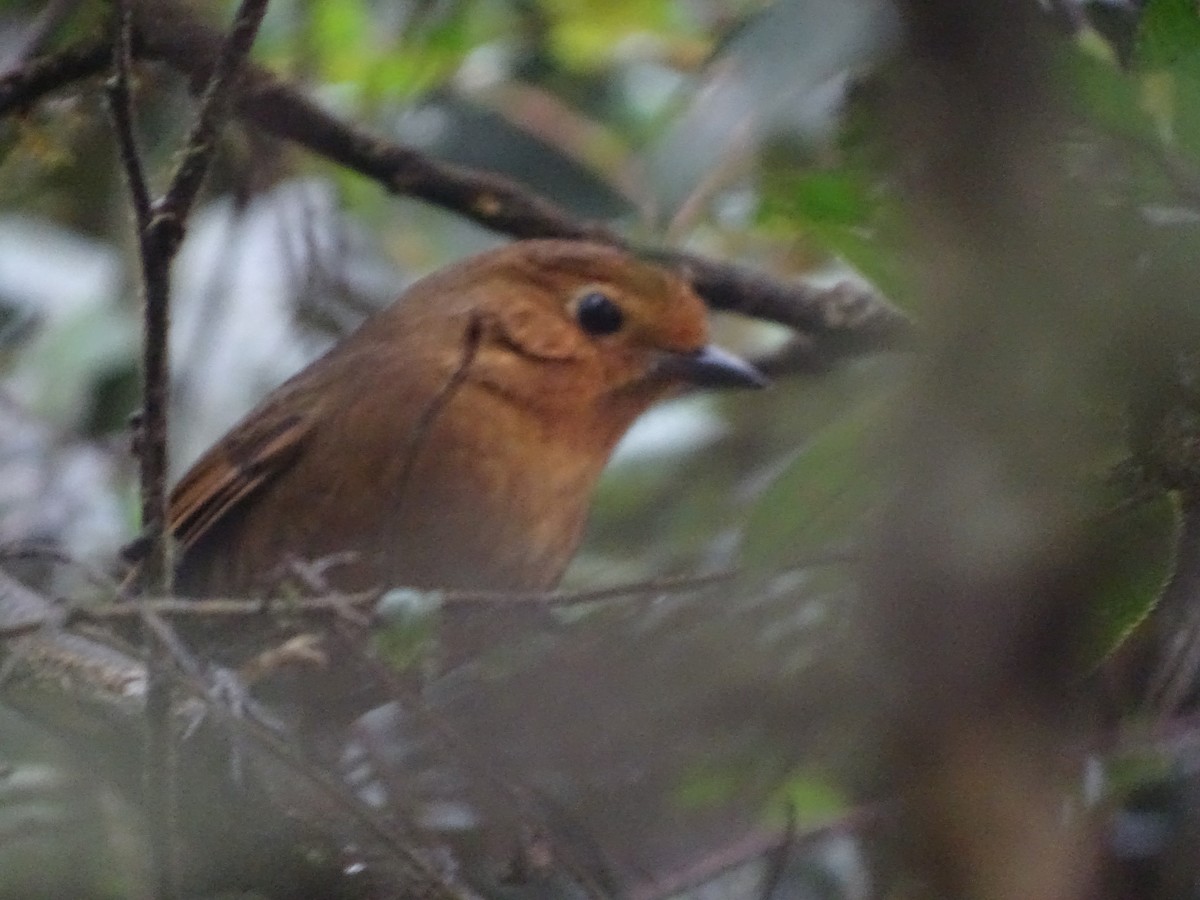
(1111, 98)
(821, 497)
(845, 210)
(1167, 51)
(587, 33)
(830, 197)
(810, 798)
(1169, 36)
(339, 33)
(1138, 560)
(709, 787)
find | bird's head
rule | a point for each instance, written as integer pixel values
(585, 327)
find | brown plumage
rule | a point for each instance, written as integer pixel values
(454, 439)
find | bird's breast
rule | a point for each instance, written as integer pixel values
(495, 497)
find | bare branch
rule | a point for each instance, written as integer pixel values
(160, 228)
(48, 552)
(21, 88)
(214, 109)
(160, 769)
(337, 605)
(120, 106)
(854, 317)
(79, 667)
(763, 843)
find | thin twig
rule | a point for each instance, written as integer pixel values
(23, 629)
(21, 88)
(118, 677)
(120, 105)
(160, 228)
(756, 845)
(160, 767)
(160, 243)
(215, 105)
(175, 609)
(336, 605)
(777, 860)
(429, 881)
(19, 550)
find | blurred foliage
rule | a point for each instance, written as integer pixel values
(1141, 542)
(591, 103)
(51, 810)
(440, 75)
(820, 500)
(426, 71)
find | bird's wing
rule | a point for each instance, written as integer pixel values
(248, 458)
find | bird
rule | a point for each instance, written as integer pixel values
(454, 440)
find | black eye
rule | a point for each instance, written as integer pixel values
(598, 315)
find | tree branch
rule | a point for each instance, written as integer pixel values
(854, 319)
(161, 764)
(120, 106)
(24, 86)
(160, 228)
(73, 667)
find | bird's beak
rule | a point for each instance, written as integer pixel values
(711, 367)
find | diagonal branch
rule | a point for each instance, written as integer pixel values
(851, 319)
(215, 105)
(24, 86)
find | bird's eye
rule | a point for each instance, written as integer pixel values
(598, 314)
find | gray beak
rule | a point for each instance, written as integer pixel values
(711, 367)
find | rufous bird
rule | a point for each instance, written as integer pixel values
(455, 439)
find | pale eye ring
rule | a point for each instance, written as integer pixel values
(598, 315)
